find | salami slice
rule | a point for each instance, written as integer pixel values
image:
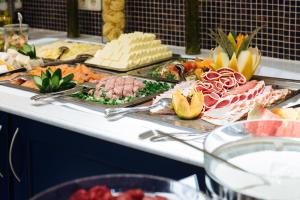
(240, 78)
(211, 76)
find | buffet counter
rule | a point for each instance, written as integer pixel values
(125, 131)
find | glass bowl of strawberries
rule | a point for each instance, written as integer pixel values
(121, 187)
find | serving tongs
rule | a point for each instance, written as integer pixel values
(21, 76)
(118, 113)
(263, 181)
(63, 93)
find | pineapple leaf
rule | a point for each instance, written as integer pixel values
(220, 37)
(227, 44)
(246, 43)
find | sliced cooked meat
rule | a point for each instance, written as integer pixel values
(110, 94)
(129, 81)
(128, 90)
(110, 84)
(119, 86)
(139, 84)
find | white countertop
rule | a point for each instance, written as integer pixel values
(127, 130)
(91, 123)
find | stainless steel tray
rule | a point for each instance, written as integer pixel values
(21, 69)
(68, 41)
(198, 125)
(134, 102)
(144, 72)
(133, 68)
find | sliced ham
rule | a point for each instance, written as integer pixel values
(228, 82)
(243, 88)
(117, 87)
(211, 76)
(225, 70)
(211, 99)
(222, 103)
(240, 78)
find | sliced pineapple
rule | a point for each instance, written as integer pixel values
(233, 64)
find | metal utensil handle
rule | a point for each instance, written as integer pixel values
(10, 155)
(114, 112)
(20, 18)
(55, 94)
(265, 182)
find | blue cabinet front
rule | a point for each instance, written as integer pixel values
(4, 168)
(44, 156)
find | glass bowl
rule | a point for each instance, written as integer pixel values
(267, 153)
(15, 35)
(168, 188)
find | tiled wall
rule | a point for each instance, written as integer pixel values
(279, 38)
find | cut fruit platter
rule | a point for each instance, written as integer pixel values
(203, 93)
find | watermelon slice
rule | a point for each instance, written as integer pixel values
(259, 112)
(262, 128)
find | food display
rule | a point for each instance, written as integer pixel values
(219, 89)
(81, 74)
(227, 95)
(113, 15)
(13, 59)
(131, 51)
(193, 69)
(52, 81)
(234, 52)
(101, 192)
(118, 90)
(51, 51)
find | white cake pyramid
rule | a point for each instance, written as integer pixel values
(131, 50)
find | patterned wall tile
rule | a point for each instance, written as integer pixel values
(280, 36)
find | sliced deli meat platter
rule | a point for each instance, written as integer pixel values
(204, 93)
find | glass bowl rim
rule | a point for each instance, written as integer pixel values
(118, 175)
(11, 26)
(258, 138)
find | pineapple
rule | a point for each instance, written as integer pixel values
(234, 52)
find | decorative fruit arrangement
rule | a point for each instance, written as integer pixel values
(234, 51)
(100, 192)
(188, 107)
(50, 81)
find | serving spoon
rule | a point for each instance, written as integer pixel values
(20, 19)
(79, 59)
(174, 138)
(117, 113)
(62, 51)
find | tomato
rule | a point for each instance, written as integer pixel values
(172, 68)
(189, 65)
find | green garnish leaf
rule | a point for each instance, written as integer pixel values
(38, 81)
(68, 78)
(53, 81)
